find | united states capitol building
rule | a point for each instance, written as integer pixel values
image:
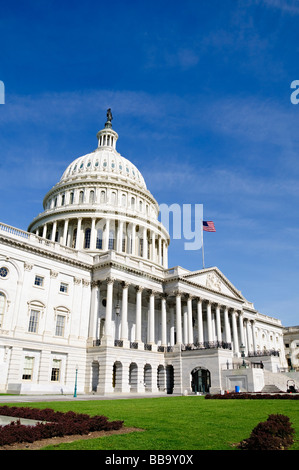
(87, 299)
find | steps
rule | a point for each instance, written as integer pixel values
(271, 389)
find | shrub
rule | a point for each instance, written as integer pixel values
(54, 423)
(274, 434)
(253, 396)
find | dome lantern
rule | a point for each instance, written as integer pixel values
(107, 137)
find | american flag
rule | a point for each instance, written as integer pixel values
(208, 226)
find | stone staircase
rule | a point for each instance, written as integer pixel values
(276, 383)
(271, 389)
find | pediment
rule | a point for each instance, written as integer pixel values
(213, 279)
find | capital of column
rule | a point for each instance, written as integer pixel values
(95, 284)
(110, 280)
(139, 288)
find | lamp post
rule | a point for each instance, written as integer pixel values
(242, 347)
(75, 390)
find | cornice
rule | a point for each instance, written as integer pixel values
(44, 253)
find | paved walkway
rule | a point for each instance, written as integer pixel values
(45, 398)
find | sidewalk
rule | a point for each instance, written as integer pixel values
(83, 397)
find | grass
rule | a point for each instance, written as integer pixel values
(177, 423)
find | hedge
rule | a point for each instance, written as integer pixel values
(51, 424)
(253, 396)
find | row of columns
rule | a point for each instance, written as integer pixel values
(233, 330)
(157, 252)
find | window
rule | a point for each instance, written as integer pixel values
(71, 198)
(60, 322)
(81, 197)
(111, 240)
(3, 272)
(87, 238)
(33, 321)
(39, 281)
(28, 368)
(64, 287)
(123, 248)
(113, 198)
(63, 199)
(2, 307)
(103, 197)
(99, 243)
(56, 368)
(91, 197)
(74, 238)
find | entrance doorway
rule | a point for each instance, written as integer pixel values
(200, 380)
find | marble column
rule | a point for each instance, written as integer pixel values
(93, 235)
(144, 248)
(209, 322)
(124, 312)
(163, 321)
(151, 333)
(94, 310)
(138, 313)
(218, 323)
(190, 320)
(199, 321)
(235, 332)
(185, 324)
(65, 229)
(253, 336)
(109, 305)
(106, 237)
(228, 337)
(44, 235)
(78, 237)
(178, 319)
(241, 326)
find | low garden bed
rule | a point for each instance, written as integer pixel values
(253, 396)
(50, 424)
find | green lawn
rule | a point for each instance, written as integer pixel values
(178, 423)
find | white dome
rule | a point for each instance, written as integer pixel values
(104, 161)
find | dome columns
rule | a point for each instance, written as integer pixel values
(97, 233)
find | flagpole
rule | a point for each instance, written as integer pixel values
(202, 249)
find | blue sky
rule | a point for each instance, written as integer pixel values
(200, 95)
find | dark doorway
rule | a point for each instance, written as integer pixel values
(201, 380)
(169, 379)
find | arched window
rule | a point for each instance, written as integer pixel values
(113, 198)
(123, 200)
(81, 197)
(87, 238)
(91, 197)
(103, 197)
(99, 243)
(2, 306)
(132, 202)
(71, 198)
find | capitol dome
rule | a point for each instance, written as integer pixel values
(102, 203)
(105, 161)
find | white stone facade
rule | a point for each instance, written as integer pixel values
(87, 299)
